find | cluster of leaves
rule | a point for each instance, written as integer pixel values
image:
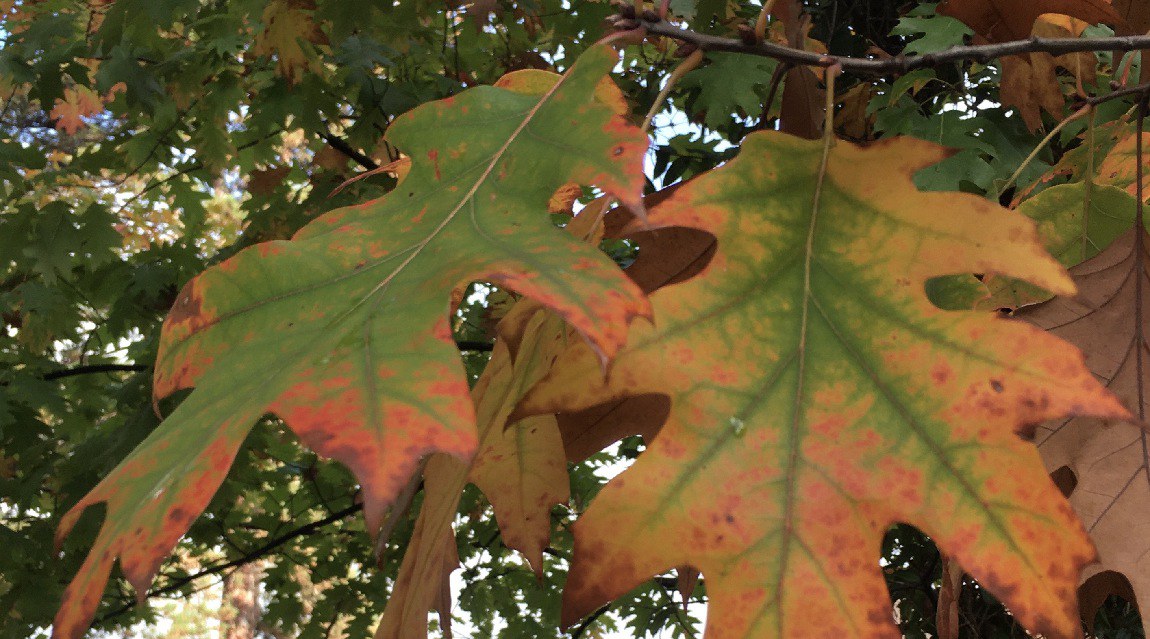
(797, 404)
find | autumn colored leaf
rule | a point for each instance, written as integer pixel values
(949, 592)
(520, 466)
(817, 397)
(1119, 165)
(80, 102)
(343, 331)
(854, 121)
(1106, 155)
(290, 34)
(668, 256)
(1083, 64)
(1135, 15)
(1029, 81)
(430, 556)
(264, 181)
(1108, 459)
(1003, 20)
(1136, 21)
(1075, 222)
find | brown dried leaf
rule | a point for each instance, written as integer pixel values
(264, 181)
(1108, 459)
(1003, 20)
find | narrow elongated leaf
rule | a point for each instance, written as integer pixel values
(521, 466)
(818, 397)
(521, 472)
(343, 332)
(1109, 459)
(430, 556)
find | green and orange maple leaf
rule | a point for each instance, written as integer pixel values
(343, 332)
(817, 397)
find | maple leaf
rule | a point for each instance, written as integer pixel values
(80, 102)
(1108, 459)
(290, 33)
(343, 332)
(818, 397)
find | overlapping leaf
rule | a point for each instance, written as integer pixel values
(1075, 222)
(1109, 459)
(520, 466)
(1029, 82)
(521, 469)
(343, 331)
(430, 556)
(818, 397)
(291, 34)
(1003, 20)
(1106, 155)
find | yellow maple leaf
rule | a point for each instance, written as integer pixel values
(289, 35)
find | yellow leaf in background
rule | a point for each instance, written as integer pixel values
(289, 35)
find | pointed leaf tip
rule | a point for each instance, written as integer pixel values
(342, 331)
(817, 397)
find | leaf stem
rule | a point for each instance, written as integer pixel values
(1140, 272)
(1089, 108)
(761, 22)
(688, 64)
(1088, 187)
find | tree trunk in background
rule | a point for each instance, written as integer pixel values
(240, 609)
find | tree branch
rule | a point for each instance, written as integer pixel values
(473, 345)
(898, 64)
(591, 618)
(339, 144)
(249, 557)
(93, 368)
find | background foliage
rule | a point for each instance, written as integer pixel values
(141, 142)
